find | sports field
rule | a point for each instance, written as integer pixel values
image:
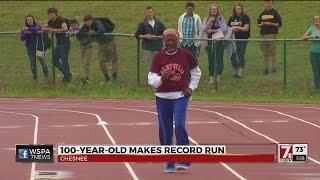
(133, 122)
(16, 79)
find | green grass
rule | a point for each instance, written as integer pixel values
(15, 75)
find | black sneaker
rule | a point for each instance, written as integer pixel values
(266, 72)
(114, 80)
(237, 76)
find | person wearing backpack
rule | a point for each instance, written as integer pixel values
(86, 46)
(96, 28)
(33, 37)
(58, 26)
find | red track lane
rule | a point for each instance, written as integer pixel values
(292, 131)
(223, 132)
(92, 134)
(148, 134)
(229, 132)
(282, 132)
(9, 137)
(224, 135)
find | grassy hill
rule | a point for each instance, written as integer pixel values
(297, 15)
(15, 75)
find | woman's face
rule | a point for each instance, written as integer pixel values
(30, 21)
(213, 10)
(316, 20)
(238, 10)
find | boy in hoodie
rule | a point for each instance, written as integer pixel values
(269, 21)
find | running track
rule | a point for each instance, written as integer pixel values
(132, 122)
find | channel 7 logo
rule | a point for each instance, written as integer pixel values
(23, 153)
(286, 152)
(292, 152)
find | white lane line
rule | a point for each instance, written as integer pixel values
(69, 126)
(213, 122)
(144, 124)
(10, 127)
(8, 149)
(132, 173)
(248, 128)
(35, 137)
(80, 125)
(269, 110)
(287, 115)
(280, 121)
(58, 126)
(257, 121)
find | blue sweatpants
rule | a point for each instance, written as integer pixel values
(169, 109)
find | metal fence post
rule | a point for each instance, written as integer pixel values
(216, 86)
(138, 61)
(52, 60)
(285, 64)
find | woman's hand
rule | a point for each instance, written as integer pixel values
(210, 31)
(25, 29)
(187, 92)
(235, 28)
(211, 19)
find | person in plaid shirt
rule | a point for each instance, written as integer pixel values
(189, 26)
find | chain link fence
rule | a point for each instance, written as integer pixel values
(293, 69)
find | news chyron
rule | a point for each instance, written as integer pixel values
(34, 153)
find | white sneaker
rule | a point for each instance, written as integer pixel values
(211, 80)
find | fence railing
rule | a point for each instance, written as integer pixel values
(293, 70)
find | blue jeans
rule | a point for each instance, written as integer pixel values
(241, 47)
(60, 59)
(33, 64)
(315, 63)
(169, 109)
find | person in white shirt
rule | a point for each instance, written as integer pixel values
(189, 26)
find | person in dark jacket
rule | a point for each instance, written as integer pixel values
(33, 37)
(269, 21)
(149, 31)
(107, 47)
(57, 25)
(86, 46)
